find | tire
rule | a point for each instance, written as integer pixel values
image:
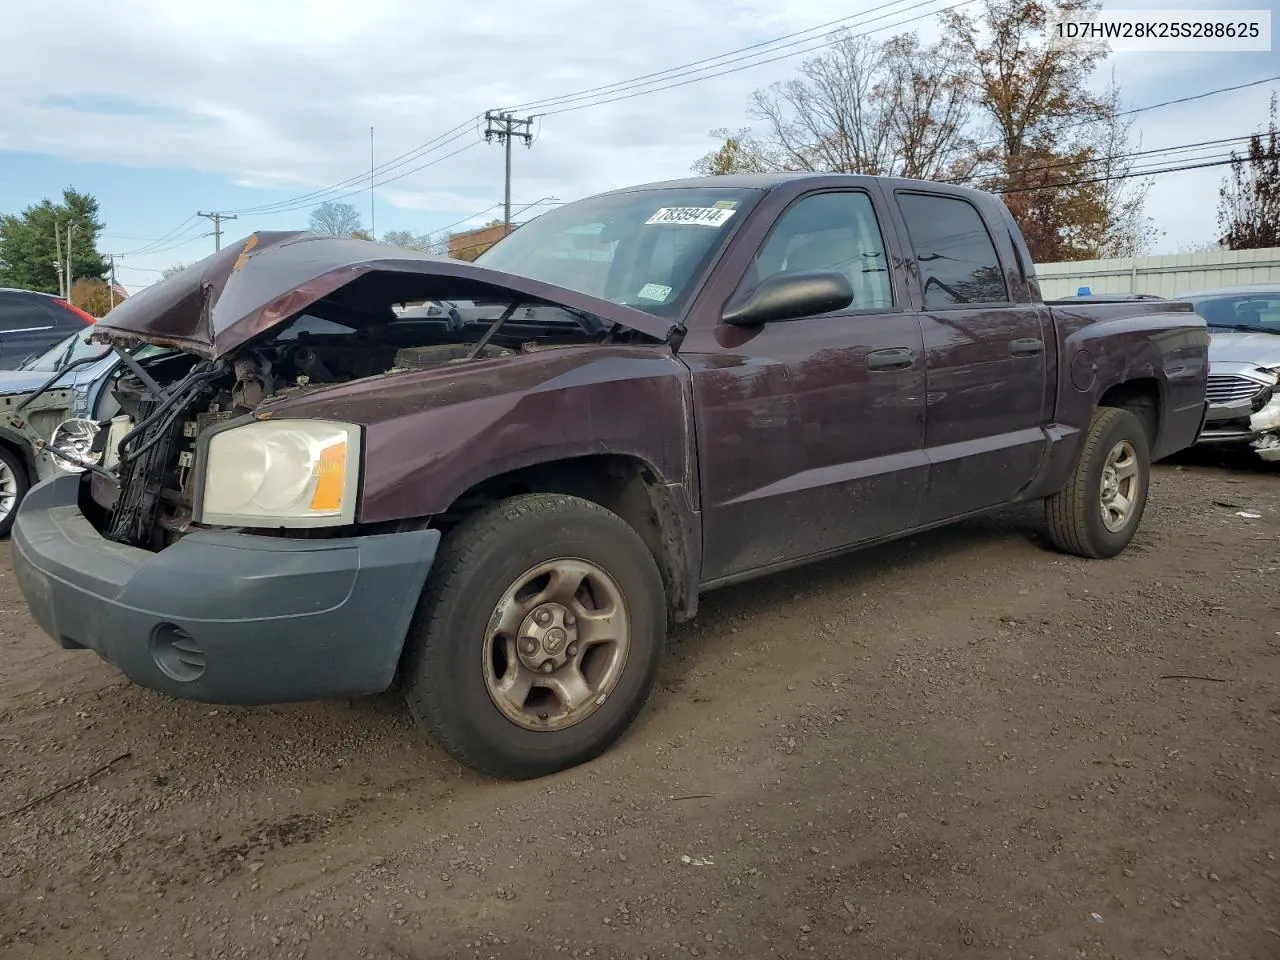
(13, 487)
(462, 647)
(1075, 513)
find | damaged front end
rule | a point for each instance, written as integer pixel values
(280, 316)
(1244, 408)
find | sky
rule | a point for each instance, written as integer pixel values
(162, 109)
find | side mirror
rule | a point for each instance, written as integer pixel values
(790, 296)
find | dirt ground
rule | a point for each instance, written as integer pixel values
(963, 745)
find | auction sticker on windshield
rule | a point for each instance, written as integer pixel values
(702, 216)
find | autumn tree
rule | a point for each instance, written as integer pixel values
(31, 242)
(1249, 199)
(335, 219)
(1035, 96)
(92, 295)
(738, 152)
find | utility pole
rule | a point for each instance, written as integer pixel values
(373, 229)
(504, 126)
(217, 219)
(57, 241)
(71, 227)
(111, 284)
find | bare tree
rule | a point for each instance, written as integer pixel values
(1123, 228)
(859, 107)
(335, 219)
(1249, 200)
(829, 118)
(924, 93)
(173, 270)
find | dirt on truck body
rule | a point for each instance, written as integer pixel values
(689, 384)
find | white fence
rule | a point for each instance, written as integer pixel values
(1168, 276)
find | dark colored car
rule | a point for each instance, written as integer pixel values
(692, 384)
(31, 323)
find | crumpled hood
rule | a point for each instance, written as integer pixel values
(249, 287)
(1229, 346)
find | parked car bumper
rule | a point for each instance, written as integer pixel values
(222, 617)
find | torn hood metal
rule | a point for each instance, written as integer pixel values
(267, 279)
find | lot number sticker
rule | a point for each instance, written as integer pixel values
(702, 216)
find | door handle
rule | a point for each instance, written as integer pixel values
(1029, 347)
(893, 358)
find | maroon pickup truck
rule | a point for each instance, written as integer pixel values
(630, 400)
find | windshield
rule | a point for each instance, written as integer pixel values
(646, 249)
(63, 352)
(1258, 312)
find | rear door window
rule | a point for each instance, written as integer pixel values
(955, 255)
(27, 311)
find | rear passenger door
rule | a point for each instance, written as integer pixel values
(984, 353)
(31, 323)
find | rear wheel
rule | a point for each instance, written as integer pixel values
(538, 638)
(13, 487)
(1099, 509)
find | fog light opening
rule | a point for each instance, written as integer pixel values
(176, 653)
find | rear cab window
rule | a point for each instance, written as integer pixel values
(955, 255)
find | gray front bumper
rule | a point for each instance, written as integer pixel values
(223, 617)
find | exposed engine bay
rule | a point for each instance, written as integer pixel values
(141, 464)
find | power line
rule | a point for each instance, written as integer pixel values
(146, 248)
(315, 196)
(1091, 160)
(708, 63)
(362, 188)
(1144, 172)
(1151, 106)
(757, 63)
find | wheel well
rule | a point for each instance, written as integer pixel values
(626, 486)
(20, 454)
(1141, 398)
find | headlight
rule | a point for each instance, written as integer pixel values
(73, 439)
(281, 473)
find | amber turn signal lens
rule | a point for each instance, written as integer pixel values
(331, 475)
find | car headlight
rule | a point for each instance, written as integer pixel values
(281, 473)
(71, 445)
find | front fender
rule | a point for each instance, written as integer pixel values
(431, 435)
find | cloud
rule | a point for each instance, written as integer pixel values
(280, 95)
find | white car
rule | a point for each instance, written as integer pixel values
(1244, 364)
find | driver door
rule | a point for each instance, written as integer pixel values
(811, 431)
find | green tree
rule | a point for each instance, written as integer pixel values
(30, 242)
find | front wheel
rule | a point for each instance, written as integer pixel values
(13, 487)
(538, 638)
(1097, 512)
